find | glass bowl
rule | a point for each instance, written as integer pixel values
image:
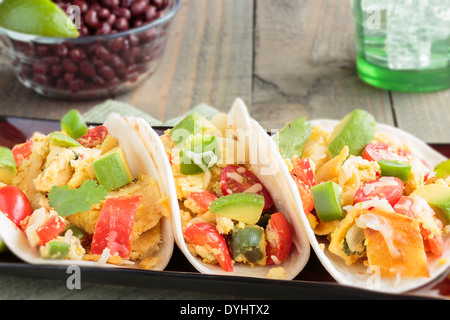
(91, 66)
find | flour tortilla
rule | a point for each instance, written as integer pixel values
(357, 274)
(268, 173)
(140, 161)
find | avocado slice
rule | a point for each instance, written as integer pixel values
(200, 154)
(112, 169)
(443, 169)
(327, 201)
(355, 130)
(438, 197)
(248, 244)
(243, 207)
(62, 140)
(193, 123)
(73, 124)
(8, 168)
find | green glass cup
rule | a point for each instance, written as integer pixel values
(403, 45)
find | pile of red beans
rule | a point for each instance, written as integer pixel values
(104, 64)
(100, 17)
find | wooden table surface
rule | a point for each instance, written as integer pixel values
(284, 58)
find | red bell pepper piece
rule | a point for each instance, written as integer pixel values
(22, 151)
(303, 170)
(202, 198)
(93, 137)
(114, 226)
(304, 178)
(14, 204)
(203, 234)
(51, 228)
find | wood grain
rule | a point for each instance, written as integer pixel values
(208, 60)
(285, 58)
(304, 64)
(425, 115)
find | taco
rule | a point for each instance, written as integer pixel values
(376, 214)
(90, 196)
(234, 217)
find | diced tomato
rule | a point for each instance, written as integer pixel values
(22, 151)
(403, 206)
(279, 238)
(303, 170)
(114, 226)
(305, 194)
(389, 188)
(205, 234)
(203, 199)
(237, 179)
(14, 204)
(50, 229)
(429, 225)
(93, 137)
(378, 151)
(304, 178)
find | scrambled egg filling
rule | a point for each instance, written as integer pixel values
(232, 152)
(395, 243)
(50, 166)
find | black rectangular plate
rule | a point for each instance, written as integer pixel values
(314, 282)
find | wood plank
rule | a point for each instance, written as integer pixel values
(425, 115)
(305, 64)
(208, 60)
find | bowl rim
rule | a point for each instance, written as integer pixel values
(24, 37)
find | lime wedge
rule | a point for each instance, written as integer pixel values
(37, 17)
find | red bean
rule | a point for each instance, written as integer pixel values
(122, 24)
(69, 65)
(150, 13)
(138, 8)
(40, 67)
(116, 44)
(56, 70)
(111, 3)
(42, 50)
(123, 12)
(77, 55)
(87, 69)
(104, 28)
(111, 19)
(91, 19)
(103, 13)
(102, 53)
(84, 7)
(69, 76)
(61, 50)
(107, 72)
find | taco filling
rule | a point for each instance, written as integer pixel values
(370, 199)
(84, 201)
(227, 214)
